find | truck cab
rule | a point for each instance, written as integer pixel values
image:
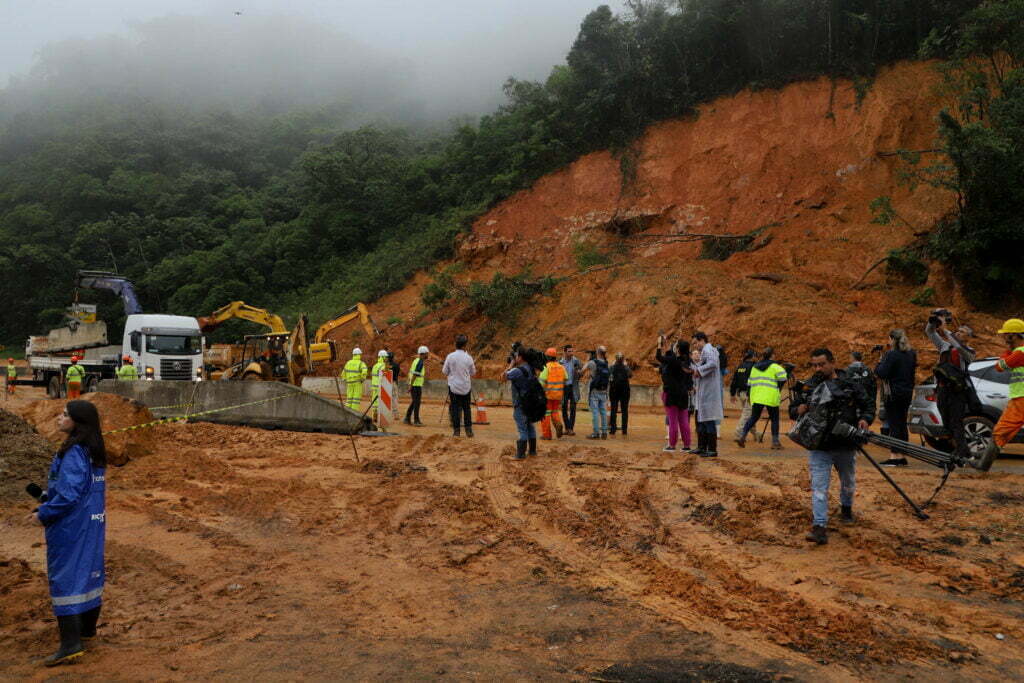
(165, 347)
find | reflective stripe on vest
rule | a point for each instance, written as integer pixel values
(12, 371)
(377, 369)
(417, 374)
(1017, 380)
(76, 373)
(764, 385)
(354, 371)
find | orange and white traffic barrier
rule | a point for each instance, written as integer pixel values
(481, 412)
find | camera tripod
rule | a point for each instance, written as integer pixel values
(944, 461)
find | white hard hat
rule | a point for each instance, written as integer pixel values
(423, 349)
(382, 354)
(357, 351)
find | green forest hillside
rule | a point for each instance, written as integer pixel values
(312, 209)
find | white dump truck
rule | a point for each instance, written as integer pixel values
(165, 347)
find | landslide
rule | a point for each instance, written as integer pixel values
(801, 164)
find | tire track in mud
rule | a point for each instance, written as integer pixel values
(604, 570)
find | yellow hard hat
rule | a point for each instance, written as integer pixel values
(1012, 326)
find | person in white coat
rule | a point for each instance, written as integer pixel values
(707, 376)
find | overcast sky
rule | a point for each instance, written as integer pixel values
(460, 50)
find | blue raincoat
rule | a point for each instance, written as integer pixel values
(74, 515)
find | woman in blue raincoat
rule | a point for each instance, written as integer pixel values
(74, 514)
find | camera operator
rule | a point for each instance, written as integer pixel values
(898, 368)
(842, 400)
(954, 390)
(519, 372)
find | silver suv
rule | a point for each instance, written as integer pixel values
(993, 389)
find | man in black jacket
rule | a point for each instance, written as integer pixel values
(739, 391)
(897, 369)
(832, 393)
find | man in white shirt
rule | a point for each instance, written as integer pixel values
(459, 369)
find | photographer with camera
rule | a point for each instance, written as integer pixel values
(827, 398)
(898, 368)
(954, 390)
(571, 395)
(521, 373)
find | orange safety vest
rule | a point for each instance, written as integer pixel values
(554, 381)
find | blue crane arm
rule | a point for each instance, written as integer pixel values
(89, 279)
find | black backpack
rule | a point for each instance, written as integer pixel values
(620, 377)
(601, 374)
(534, 401)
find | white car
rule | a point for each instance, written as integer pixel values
(993, 389)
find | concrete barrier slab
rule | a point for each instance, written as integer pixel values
(267, 405)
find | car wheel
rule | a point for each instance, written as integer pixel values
(943, 444)
(980, 447)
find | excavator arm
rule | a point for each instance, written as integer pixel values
(110, 282)
(243, 311)
(358, 311)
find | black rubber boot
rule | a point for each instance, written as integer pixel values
(846, 514)
(70, 641)
(700, 444)
(818, 535)
(520, 450)
(469, 432)
(710, 446)
(89, 620)
(533, 447)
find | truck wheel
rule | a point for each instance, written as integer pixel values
(978, 432)
(54, 388)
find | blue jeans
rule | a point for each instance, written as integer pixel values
(527, 430)
(598, 402)
(820, 464)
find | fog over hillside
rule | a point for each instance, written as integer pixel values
(408, 61)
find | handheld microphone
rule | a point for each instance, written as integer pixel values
(35, 491)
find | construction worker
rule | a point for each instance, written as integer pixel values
(379, 368)
(12, 374)
(354, 373)
(1012, 419)
(127, 371)
(417, 376)
(552, 378)
(764, 383)
(74, 377)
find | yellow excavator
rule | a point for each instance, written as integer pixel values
(280, 356)
(359, 311)
(243, 311)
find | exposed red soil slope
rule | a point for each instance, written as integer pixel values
(806, 161)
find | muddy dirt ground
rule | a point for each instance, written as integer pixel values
(243, 554)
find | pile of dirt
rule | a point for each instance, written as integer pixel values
(24, 456)
(800, 166)
(116, 412)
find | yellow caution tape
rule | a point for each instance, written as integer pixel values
(179, 405)
(184, 418)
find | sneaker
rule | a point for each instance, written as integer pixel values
(708, 454)
(741, 443)
(818, 535)
(668, 449)
(417, 423)
(569, 432)
(776, 446)
(604, 435)
(895, 462)
(406, 421)
(846, 515)
(593, 436)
